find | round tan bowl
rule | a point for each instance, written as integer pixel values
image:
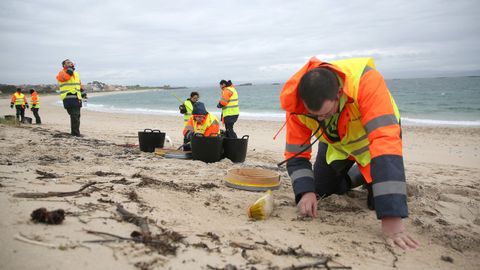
(252, 179)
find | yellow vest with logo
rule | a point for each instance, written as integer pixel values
(355, 142)
(232, 105)
(19, 99)
(71, 86)
(189, 107)
(210, 118)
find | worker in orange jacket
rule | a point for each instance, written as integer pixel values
(71, 93)
(347, 106)
(35, 106)
(230, 108)
(20, 102)
(201, 122)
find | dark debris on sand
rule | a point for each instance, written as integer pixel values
(43, 216)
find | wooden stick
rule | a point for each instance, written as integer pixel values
(24, 239)
(52, 193)
(139, 221)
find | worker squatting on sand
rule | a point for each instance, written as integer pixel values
(348, 107)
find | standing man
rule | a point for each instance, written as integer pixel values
(229, 105)
(35, 106)
(187, 106)
(20, 102)
(348, 107)
(71, 93)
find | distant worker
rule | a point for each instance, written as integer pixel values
(187, 106)
(20, 102)
(348, 107)
(35, 106)
(71, 92)
(229, 105)
(201, 122)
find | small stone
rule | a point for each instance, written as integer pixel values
(447, 258)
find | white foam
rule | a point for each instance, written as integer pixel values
(432, 122)
(271, 116)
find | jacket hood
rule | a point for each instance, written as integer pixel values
(289, 99)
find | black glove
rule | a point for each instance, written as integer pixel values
(11, 106)
(219, 105)
(70, 71)
(84, 95)
(182, 109)
(26, 105)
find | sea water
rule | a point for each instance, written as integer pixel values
(424, 101)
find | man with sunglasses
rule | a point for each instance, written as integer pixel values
(201, 122)
(348, 107)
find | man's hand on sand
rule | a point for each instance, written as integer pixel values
(307, 206)
(395, 233)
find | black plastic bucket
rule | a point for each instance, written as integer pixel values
(235, 149)
(207, 149)
(27, 120)
(149, 139)
(10, 117)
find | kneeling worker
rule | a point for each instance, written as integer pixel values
(201, 122)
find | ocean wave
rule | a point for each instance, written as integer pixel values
(271, 116)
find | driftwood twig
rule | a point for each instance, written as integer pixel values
(52, 193)
(139, 221)
(24, 239)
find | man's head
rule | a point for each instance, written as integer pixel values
(67, 63)
(19, 90)
(194, 96)
(32, 90)
(320, 91)
(199, 112)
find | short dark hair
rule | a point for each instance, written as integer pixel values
(32, 90)
(194, 93)
(63, 62)
(227, 83)
(19, 89)
(316, 86)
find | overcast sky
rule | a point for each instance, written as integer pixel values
(196, 43)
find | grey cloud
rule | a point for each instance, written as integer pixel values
(198, 43)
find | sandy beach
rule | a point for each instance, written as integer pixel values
(202, 222)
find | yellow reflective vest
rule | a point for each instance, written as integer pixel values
(355, 142)
(71, 87)
(19, 99)
(189, 107)
(232, 106)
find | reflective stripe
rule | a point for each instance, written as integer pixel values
(367, 68)
(389, 187)
(189, 128)
(234, 106)
(187, 113)
(301, 173)
(359, 139)
(233, 99)
(224, 100)
(295, 148)
(360, 151)
(71, 97)
(215, 122)
(64, 84)
(381, 121)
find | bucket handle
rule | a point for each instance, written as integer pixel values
(245, 137)
(145, 130)
(155, 130)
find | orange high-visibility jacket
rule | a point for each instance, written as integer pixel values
(208, 127)
(18, 99)
(35, 100)
(370, 114)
